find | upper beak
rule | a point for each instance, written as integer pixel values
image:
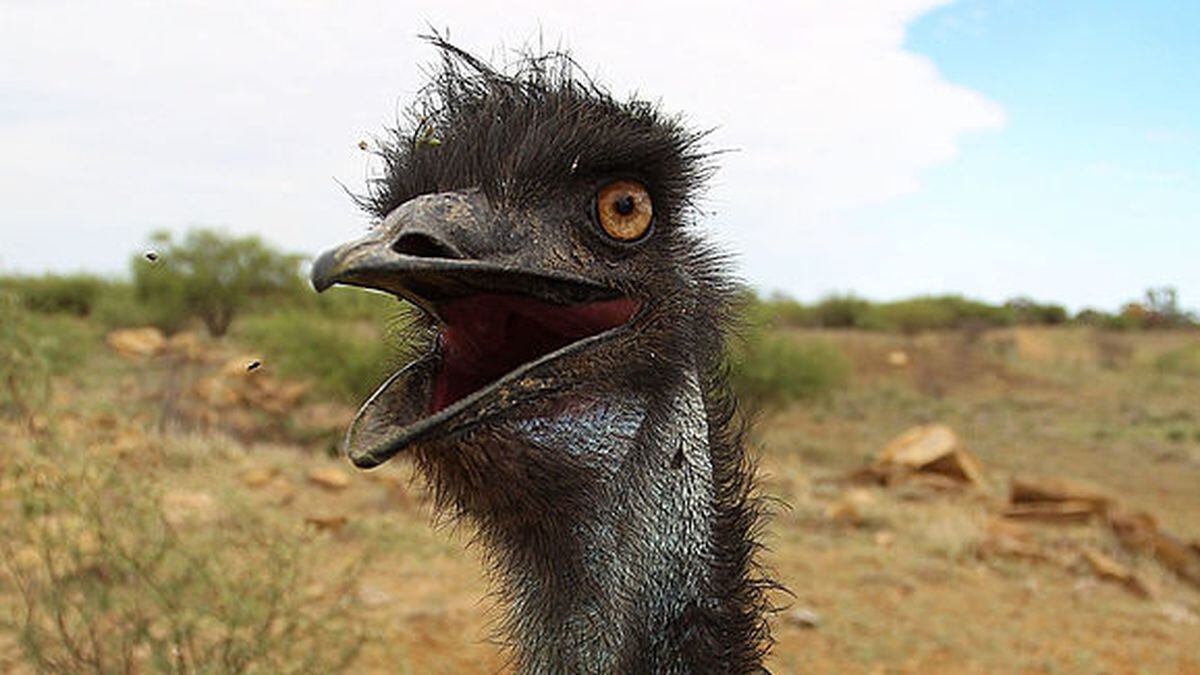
(447, 245)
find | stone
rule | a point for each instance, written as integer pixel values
(186, 345)
(1041, 489)
(1140, 533)
(137, 343)
(1109, 569)
(326, 522)
(897, 359)
(1063, 513)
(803, 617)
(1012, 540)
(258, 476)
(330, 478)
(852, 508)
(931, 448)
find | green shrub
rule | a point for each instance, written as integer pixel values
(840, 311)
(939, 313)
(120, 306)
(346, 359)
(212, 276)
(34, 347)
(53, 294)
(770, 370)
(1027, 311)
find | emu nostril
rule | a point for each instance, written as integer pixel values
(424, 246)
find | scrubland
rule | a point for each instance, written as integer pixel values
(176, 512)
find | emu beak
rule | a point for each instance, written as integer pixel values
(449, 245)
(502, 311)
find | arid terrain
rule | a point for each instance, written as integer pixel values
(180, 511)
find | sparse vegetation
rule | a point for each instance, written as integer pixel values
(33, 348)
(114, 576)
(1183, 360)
(57, 294)
(771, 370)
(345, 359)
(274, 573)
(212, 276)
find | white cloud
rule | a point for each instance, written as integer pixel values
(117, 119)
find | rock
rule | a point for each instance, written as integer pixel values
(1140, 533)
(1109, 569)
(326, 523)
(920, 446)
(932, 448)
(803, 617)
(186, 507)
(897, 359)
(1012, 540)
(258, 476)
(852, 508)
(1136, 531)
(330, 478)
(1062, 513)
(135, 343)
(186, 345)
(1042, 489)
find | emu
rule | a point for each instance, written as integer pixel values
(571, 399)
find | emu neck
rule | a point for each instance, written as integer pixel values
(621, 584)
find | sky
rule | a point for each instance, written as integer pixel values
(888, 148)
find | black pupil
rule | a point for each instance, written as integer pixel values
(624, 205)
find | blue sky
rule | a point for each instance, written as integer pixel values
(884, 147)
(1092, 188)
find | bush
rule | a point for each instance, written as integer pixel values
(938, 313)
(120, 307)
(840, 311)
(770, 370)
(346, 359)
(33, 348)
(212, 276)
(53, 294)
(108, 583)
(1027, 311)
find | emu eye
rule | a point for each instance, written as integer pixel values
(624, 210)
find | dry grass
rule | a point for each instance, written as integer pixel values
(254, 548)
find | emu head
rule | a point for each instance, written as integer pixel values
(543, 228)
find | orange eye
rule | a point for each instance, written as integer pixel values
(624, 209)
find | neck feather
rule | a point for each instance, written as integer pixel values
(631, 590)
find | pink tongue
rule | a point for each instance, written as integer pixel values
(487, 336)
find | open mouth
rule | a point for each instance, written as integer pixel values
(499, 328)
(493, 352)
(486, 336)
(511, 325)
